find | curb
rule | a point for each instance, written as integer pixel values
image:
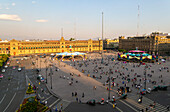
(52, 93)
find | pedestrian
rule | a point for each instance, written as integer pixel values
(154, 104)
(77, 99)
(72, 94)
(45, 102)
(61, 107)
(75, 93)
(83, 95)
(167, 107)
(146, 109)
(56, 109)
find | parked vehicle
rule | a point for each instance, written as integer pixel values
(6, 66)
(40, 78)
(19, 69)
(3, 70)
(91, 102)
(1, 76)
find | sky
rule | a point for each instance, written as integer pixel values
(81, 19)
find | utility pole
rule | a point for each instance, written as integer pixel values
(102, 39)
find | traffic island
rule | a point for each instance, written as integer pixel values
(30, 90)
(31, 104)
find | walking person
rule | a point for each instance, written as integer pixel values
(167, 107)
(61, 107)
(75, 93)
(72, 94)
(83, 95)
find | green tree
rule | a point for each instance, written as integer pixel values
(71, 39)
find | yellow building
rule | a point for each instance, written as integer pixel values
(16, 47)
(155, 42)
(110, 44)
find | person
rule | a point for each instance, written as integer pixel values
(154, 104)
(77, 99)
(61, 107)
(75, 93)
(45, 102)
(83, 95)
(113, 97)
(94, 87)
(56, 109)
(146, 109)
(167, 107)
(72, 94)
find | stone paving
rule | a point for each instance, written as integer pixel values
(62, 78)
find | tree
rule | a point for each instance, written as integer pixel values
(71, 39)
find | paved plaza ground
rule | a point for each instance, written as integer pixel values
(89, 73)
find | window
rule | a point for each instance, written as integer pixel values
(13, 47)
(62, 46)
(0, 48)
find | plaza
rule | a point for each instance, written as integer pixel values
(82, 76)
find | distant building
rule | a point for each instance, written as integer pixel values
(156, 42)
(16, 47)
(110, 44)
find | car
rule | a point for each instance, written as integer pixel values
(6, 66)
(13, 68)
(40, 78)
(1, 76)
(3, 70)
(19, 69)
(22, 59)
(91, 102)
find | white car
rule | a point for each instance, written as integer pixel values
(22, 59)
(19, 69)
(3, 70)
(6, 66)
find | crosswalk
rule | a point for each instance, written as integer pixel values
(132, 99)
(64, 104)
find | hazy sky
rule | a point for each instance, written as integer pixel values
(43, 19)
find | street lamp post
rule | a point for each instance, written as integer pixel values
(40, 64)
(145, 78)
(37, 63)
(109, 86)
(51, 75)
(46, 72)
(102, 39)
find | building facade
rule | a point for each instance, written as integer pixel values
(110, 44)
(154, 43)
(19, 48)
